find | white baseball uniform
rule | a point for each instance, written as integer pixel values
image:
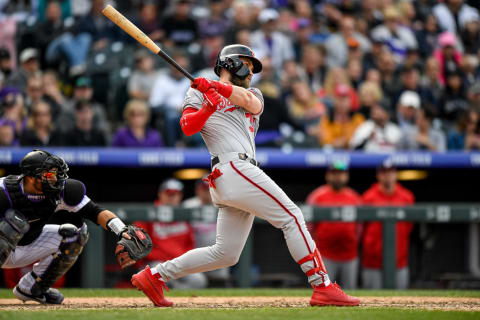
(242, 191)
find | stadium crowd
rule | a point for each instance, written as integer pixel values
(372, 75)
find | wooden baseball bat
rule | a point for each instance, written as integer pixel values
(127, 26)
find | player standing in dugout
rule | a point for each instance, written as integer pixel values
(227, 114)
(42, 215)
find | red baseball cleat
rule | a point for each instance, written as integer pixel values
(152, 286)
(332, 295)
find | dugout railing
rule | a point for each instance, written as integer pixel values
(93, 261)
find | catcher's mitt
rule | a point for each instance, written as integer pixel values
(129, 251)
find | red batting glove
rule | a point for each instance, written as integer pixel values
(201, 84)
(212, 99)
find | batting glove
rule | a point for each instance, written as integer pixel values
(203, 84)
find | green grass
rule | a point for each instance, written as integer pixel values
(240, 314)
(7, 293)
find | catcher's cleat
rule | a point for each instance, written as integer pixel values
(332, 295)
(152, 286)
(51, 296)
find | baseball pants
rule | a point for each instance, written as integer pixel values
(373, 278)
(40, 251)
(241, 192)
(345, 271)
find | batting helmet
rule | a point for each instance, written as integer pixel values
(37, 162)
(229, 58)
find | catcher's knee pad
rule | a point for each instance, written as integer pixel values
(73, 241)
(12, 228)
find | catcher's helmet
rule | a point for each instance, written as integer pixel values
(37, 162)
(229, 58)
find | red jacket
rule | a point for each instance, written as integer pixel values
(336, 241)
(372, 241)
(170, 239)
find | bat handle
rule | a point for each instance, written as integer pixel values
(175, 64)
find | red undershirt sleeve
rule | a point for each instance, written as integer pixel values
(193, 120)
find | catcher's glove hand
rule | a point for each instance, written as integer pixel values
(134, 244)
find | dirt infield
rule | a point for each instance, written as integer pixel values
(431, 303)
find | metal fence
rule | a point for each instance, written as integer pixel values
(94, 255)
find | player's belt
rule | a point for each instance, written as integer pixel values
(241, 156)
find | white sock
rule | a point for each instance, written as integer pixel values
(153, 270)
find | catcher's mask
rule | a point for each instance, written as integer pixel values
(50, 169)
(229, 58)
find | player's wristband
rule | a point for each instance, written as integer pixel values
(115, 225)
(224, 89)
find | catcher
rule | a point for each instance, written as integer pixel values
(42, 215)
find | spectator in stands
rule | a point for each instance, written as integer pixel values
(378, 134)
(242, 19)
(355, 72)
(40, 129)
(34, 90)
(394, 35)
(336, 76)
(336, 44)
(216, 22)
(143, 77)
(29, 67)
(149, 22)
(180, 29)
(427, 36)
(6, 63)
(410, 81)
(303, 37)
(431, 79)
(204, 60)
(136, 132)
(423, 136)
(470, 36)
(7, 134)
(13, 110)
(84, 134)
(205, 232)
(369, 94)
(313, 64)
(337, 241)
(51, 28)
(466, 136)
(454, 99)
(386, 192)
(473, 96)
(452, 15)
(268, 41)
(83, 91)
(172, 239)
(387, 66)
(303, 106)
(337, 128)
(447, 54)
(166, 98)
(407, 108)
(469, 67)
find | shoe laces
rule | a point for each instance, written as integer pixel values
(337, 287)
(157, 276)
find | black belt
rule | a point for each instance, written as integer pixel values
(241, 156)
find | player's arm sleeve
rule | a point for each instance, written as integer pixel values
(91, 211)
(194, 115)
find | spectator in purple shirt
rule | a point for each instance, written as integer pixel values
(136, 132)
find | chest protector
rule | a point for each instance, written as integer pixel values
(27, 207)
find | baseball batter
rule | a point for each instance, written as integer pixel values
(227, 114)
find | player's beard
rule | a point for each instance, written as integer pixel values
(244, 83)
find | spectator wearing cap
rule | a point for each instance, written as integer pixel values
(140, 83)
(40, 130)
(166, 98)
(84, 134)
(466, 134)
(395, 36)
(447, 54)
(171, 239)
(407, 108)
(337, 43)
(29, 66)
(205, 232)
(337, 128)
(180, 29)
(6, 63)
(452, 15)
(268, 41)
(454, 99)
(83, 92)
(136, 132)
(337, 241)
(378, 134)
(386, 192)
(423, 136)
